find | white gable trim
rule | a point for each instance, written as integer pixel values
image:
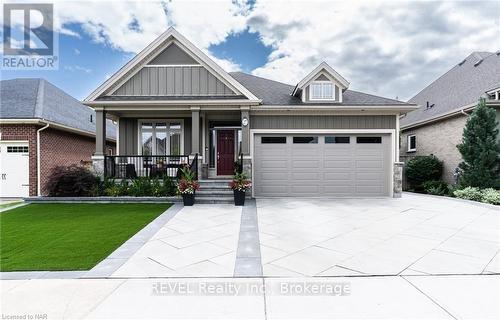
(323, 66)
(159, 44)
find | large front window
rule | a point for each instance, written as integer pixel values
(161, 138)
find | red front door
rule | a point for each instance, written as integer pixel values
(225, 152)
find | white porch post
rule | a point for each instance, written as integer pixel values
(100, 141)
(195, 137)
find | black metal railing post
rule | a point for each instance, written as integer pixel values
(240, 164)
(194, 166)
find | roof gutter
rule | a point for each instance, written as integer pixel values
(53, 125)
(38, 157)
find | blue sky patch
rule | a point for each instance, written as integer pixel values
(244, 48)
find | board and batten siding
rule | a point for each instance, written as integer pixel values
(323, 122)
(128, 139)
(174, 81)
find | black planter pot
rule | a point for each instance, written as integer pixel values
(239, 198)
(188, 199)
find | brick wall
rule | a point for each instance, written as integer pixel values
(24, 132)
(439, 139)
(61, 148)
(58, 148)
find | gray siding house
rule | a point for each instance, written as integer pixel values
(437, 126)
(317, 138)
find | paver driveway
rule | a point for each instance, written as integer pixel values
(413, 235)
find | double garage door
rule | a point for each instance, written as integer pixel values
(327, 165)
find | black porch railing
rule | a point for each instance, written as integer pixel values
(239, 164)
(130, 167)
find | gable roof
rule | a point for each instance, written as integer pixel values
(35, 98)
(323, 66)
(460, 87)
(153, 50)
(277, 93)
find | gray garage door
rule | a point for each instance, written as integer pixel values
(321, 165)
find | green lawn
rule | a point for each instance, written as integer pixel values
(68, 236)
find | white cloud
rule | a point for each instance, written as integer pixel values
(387, 48)
(78, 68)
(131, 25)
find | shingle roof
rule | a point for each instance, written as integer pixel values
(39, 99)
(276, 93)
(463, 85)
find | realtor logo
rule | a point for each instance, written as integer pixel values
(28, 36)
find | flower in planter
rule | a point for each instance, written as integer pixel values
(240, 182)
(187, 187)
(187, 184)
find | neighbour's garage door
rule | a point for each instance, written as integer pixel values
(14, 169)
(334, 165)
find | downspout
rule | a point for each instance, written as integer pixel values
(38, 164)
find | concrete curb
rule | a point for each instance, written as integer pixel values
(103, 199)
(479, 204)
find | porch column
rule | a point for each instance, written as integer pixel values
(195, 130)
(245, 142)
(100, 133)
(245, 130)
(100, 142)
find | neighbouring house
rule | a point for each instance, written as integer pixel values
(42, 127)
(437, 126)
(317, 138)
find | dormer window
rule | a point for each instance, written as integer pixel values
(322, 90)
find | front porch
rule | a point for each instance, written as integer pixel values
(158, 143)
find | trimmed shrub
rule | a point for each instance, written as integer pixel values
(72, 181)
(115, 189)
(438, 188)
(491, 196)
(469, 193)
(421, 169)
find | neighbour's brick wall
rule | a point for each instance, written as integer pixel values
(58, 148)
(24, 132)
(440, 139)
(61, 148)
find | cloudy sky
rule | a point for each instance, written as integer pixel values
(388, 48)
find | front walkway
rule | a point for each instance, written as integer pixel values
(199, 241)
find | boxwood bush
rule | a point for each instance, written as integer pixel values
(422, 169)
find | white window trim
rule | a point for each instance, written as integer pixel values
(168, 121)
(408, 139)
(322, 82)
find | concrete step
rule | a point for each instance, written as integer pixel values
(215, 181)
(215, 192)
(220, 199)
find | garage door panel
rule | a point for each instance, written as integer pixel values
(342, 164)
(322, 169)
(368, 164)
(313, 175)
(266, 164)
(310, 190)
(312, 164)
(340, 175)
